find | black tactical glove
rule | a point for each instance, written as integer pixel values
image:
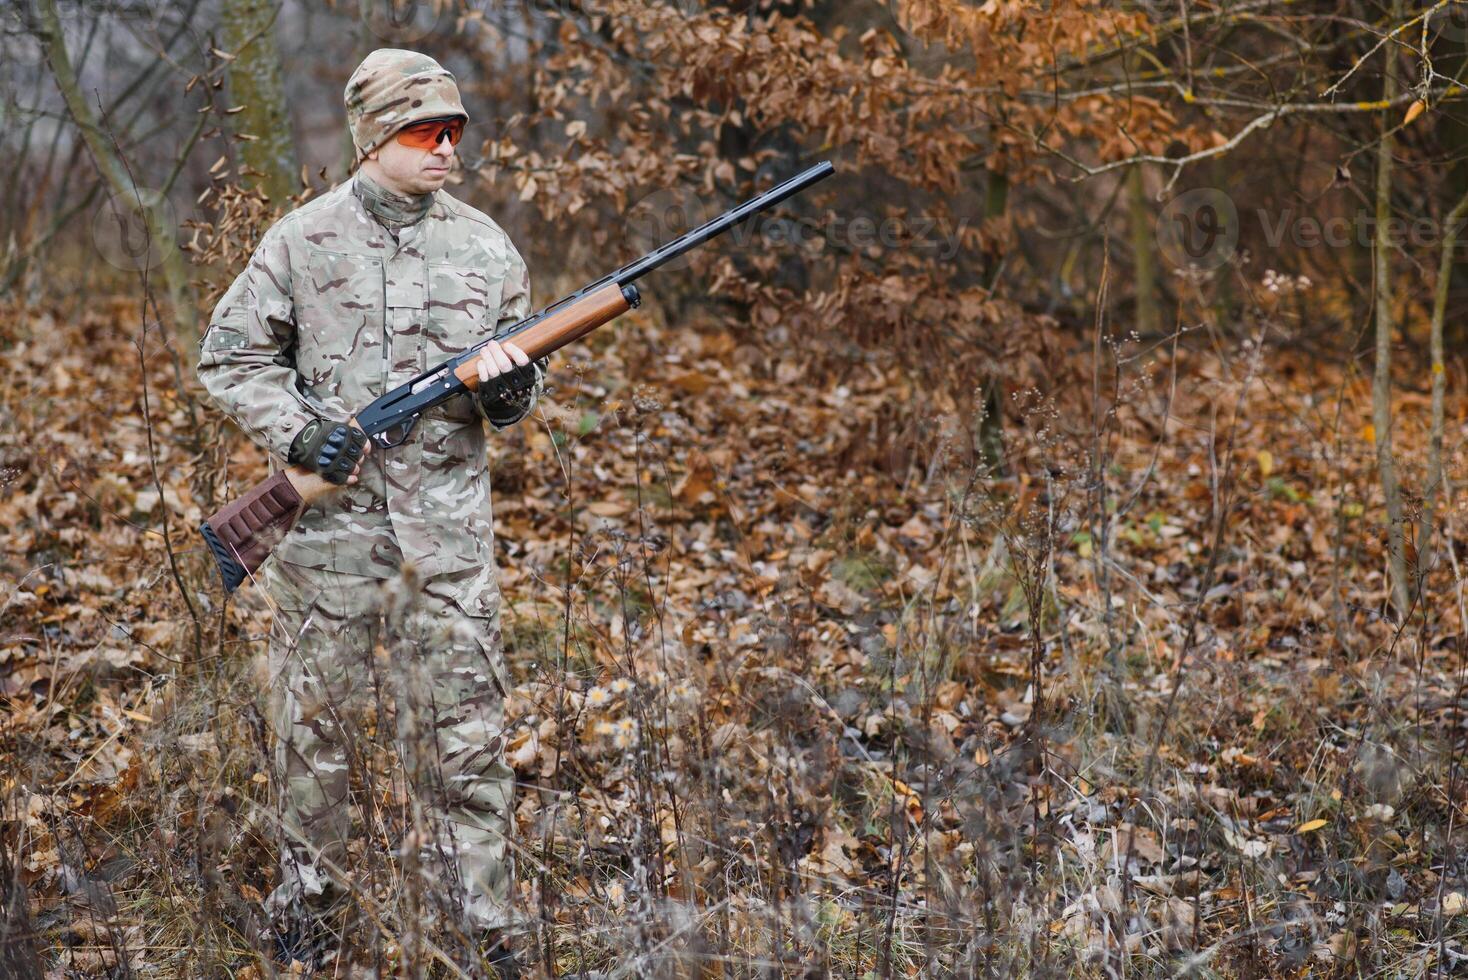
(331, 449)
(505, 398)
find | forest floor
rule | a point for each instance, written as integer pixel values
(798, 690)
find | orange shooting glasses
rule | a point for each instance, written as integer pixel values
(426, 135)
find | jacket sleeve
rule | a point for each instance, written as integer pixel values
(247, 355)
(514, 307)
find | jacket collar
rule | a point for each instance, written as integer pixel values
(392, 209)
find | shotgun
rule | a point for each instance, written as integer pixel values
(241, 534)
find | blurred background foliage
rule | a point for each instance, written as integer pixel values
(999, 560)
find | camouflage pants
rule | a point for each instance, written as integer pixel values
(344, 648)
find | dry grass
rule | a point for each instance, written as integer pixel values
(779, 712)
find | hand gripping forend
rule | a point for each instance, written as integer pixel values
(243, 533)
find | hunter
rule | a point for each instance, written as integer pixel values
(347, 296)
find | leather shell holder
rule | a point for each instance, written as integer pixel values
(510, 386)
(242, 533)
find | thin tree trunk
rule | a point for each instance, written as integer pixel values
(366, 42)
(1434, 486)
(47, 28)
(990, 434)
(1144, 241)
(255, 87)
(1381, 385)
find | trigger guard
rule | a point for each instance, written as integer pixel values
(395, 435)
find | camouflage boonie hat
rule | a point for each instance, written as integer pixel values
(392, 88)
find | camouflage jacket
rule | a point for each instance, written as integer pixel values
(332, 311)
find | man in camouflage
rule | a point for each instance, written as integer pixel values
(346, 297)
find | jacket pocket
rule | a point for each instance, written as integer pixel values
(339, 313)
(331, 599)
(481, 612)
(462, 302)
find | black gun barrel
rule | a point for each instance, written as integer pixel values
(721, 224)
(669, 251)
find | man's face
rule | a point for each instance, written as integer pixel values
(409, 170)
